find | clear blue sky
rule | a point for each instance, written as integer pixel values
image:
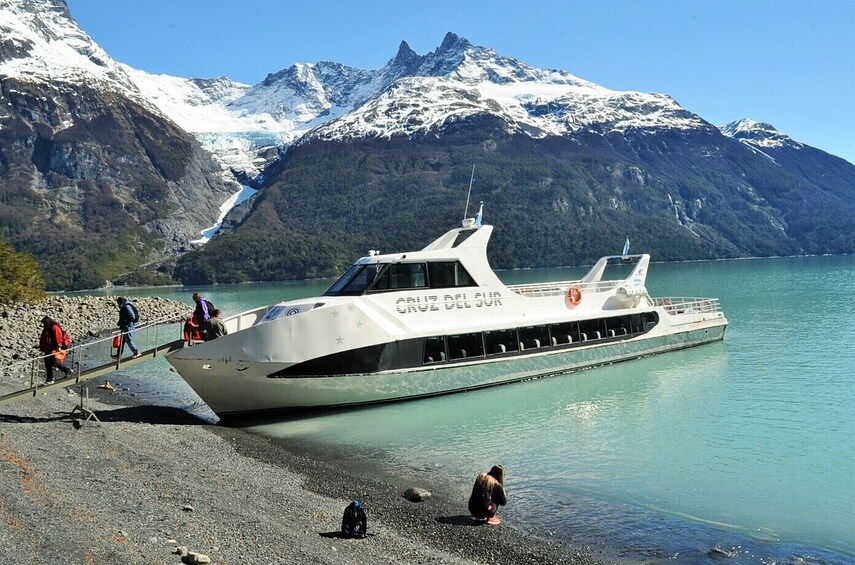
(789, 62)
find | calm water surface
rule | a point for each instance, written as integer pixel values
(743, 448)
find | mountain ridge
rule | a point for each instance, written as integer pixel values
(330, 145)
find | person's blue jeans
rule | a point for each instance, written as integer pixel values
(128, 338)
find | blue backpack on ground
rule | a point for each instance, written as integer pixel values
(354, 523)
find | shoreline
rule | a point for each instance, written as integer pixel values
(119, 490)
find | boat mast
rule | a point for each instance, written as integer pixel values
(468, 194)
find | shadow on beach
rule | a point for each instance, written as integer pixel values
(16, 419)
(150, 414)
(145, 414)
(459, 520)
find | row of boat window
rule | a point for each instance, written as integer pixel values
(384, 277)
(439, 349)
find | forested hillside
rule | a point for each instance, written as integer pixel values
(555, 201)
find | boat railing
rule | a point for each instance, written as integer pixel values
(246, 319)
(682, 305)
(560, 288)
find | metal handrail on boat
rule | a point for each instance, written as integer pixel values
(561, 288)
(681, 305)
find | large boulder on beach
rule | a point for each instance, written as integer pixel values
(416, 494)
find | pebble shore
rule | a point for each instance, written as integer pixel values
(153, 484)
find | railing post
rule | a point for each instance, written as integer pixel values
(80, 365)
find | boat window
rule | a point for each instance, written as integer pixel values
(462, 236)
(637, 326)
(435, 350)
(447, 274)
(501, 341)
(533, 337)
(617, 326)
(564, 333)
(401, 276)
(592, 329)
(356, 279)
(650, 320)
(465, 345)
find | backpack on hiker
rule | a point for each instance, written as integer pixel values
(354, 523)
(65, 340)
(134, 312)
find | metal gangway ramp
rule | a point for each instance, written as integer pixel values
(91, 360)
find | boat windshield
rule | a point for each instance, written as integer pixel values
(357, 278)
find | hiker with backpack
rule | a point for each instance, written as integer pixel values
(128, 317)
(54, 343)
(204, 309)
(488, 493)
(194, 327)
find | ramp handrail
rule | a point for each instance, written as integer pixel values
(74, 349)
(90, 359)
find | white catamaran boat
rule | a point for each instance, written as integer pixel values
(435, 321)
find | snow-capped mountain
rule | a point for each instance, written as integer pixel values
(758, 135)
(412, 94)
(40, 41)
(564, 161)
(460, 80)
(87, 160)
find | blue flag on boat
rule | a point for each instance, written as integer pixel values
(626, 246)
(479, 215)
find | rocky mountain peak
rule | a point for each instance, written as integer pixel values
(40, 41)
(405, 56)
(453, 43)
(757, 134)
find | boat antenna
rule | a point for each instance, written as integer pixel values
(468, 194)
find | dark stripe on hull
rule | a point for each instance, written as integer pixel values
(420, 352)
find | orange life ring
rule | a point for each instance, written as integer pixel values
(574, 295)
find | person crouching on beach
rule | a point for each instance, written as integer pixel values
(488, 494)
(51, 344)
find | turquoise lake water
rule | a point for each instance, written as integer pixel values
(743, 448)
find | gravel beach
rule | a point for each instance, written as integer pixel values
(146, 481)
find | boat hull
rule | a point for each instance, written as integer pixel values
(247, 387)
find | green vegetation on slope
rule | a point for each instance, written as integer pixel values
(553, 202)
(20, 278)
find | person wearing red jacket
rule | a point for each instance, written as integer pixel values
(50, 343)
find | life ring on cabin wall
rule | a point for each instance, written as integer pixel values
(574, 295)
